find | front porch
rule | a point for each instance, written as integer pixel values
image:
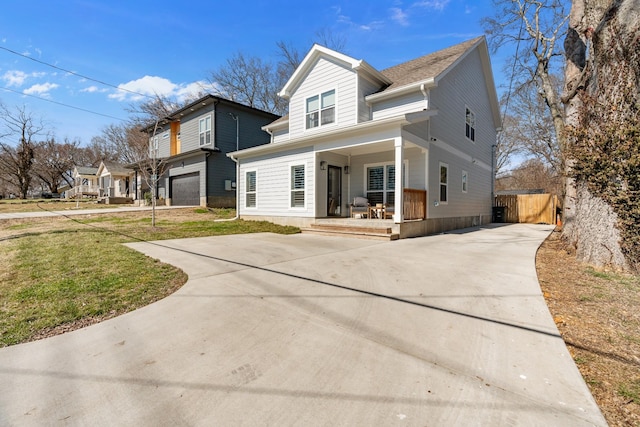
(387, 229)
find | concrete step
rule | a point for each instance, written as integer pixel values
(351, 227)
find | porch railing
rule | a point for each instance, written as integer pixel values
(83, 189)
(414, 204)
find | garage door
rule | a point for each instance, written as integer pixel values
(185, 190)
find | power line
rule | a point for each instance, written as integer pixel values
(75, 74)
(62, 104)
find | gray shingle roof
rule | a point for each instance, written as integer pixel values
(86, 170)
(427, 66)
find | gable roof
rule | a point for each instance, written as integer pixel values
(318, 51)
(420, 73)
(114, 168)
(86, 170)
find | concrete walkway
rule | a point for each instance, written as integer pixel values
(446, 330)
(67, 212)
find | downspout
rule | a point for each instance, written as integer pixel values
(237, 192)
(425, 93)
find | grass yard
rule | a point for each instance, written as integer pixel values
(59, 274)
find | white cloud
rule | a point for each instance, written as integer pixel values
(41, 89)
(136, 90)
(399, 16)
(432, 4)
(93, 89)
(14, 77)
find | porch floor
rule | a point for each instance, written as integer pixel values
(362, 228)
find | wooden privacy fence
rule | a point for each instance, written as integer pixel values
(414, 204)
(529, 208)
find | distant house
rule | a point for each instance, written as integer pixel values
(116, 182)
(85, 183)
(412, 144)
(193, 142)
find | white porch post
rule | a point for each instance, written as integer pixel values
(398, 217)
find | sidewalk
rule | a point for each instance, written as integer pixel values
(68, 212)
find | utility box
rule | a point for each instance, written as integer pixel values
(229, 185)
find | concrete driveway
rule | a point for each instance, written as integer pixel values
(304, 330)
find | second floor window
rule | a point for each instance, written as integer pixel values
(470, 127)
(205, 130)
(321, 109)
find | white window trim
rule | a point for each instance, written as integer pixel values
(335, 110)
(246, 186)
(204, 118)
(385, 164)
(290, 166)
(446, 165)
(465, 181)
(475, 124)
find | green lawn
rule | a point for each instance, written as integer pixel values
(73, 272)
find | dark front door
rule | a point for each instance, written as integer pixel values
(334, 191)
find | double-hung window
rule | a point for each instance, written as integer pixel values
(444, 183)
(321, 109)
(381, 183)
(470, 126)
(205, 130)
(297, 186)
(250, 189)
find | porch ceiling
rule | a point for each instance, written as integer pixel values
(367, 148)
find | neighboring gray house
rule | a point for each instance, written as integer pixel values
(194, 140)
(415, 140)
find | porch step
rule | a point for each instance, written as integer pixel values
(360, 232)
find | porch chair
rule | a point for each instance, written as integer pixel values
(388, 211)
(360, 206)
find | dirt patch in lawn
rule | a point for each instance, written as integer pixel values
(597, 314)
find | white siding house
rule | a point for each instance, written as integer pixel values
(416, 139)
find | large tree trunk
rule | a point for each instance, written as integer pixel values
(591, 223)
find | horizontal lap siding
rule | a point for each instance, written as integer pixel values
(365, 88)
(412, 102)
(324, 76)
(477, 199)
(273, 193)
(464, 85)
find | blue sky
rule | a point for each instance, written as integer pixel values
(169, 47)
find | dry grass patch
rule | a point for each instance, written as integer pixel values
(598, 317)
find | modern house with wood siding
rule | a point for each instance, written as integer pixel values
(415, 141)
(193, 141)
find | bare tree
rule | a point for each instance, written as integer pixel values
(18, 134)
(533, 28)
(533, 174)
(248, 80)
(53, 162)
(253, 81)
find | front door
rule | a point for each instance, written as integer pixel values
(334, 191)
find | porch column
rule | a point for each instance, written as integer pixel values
(399, 148)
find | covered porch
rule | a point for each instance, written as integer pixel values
(360, 182)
